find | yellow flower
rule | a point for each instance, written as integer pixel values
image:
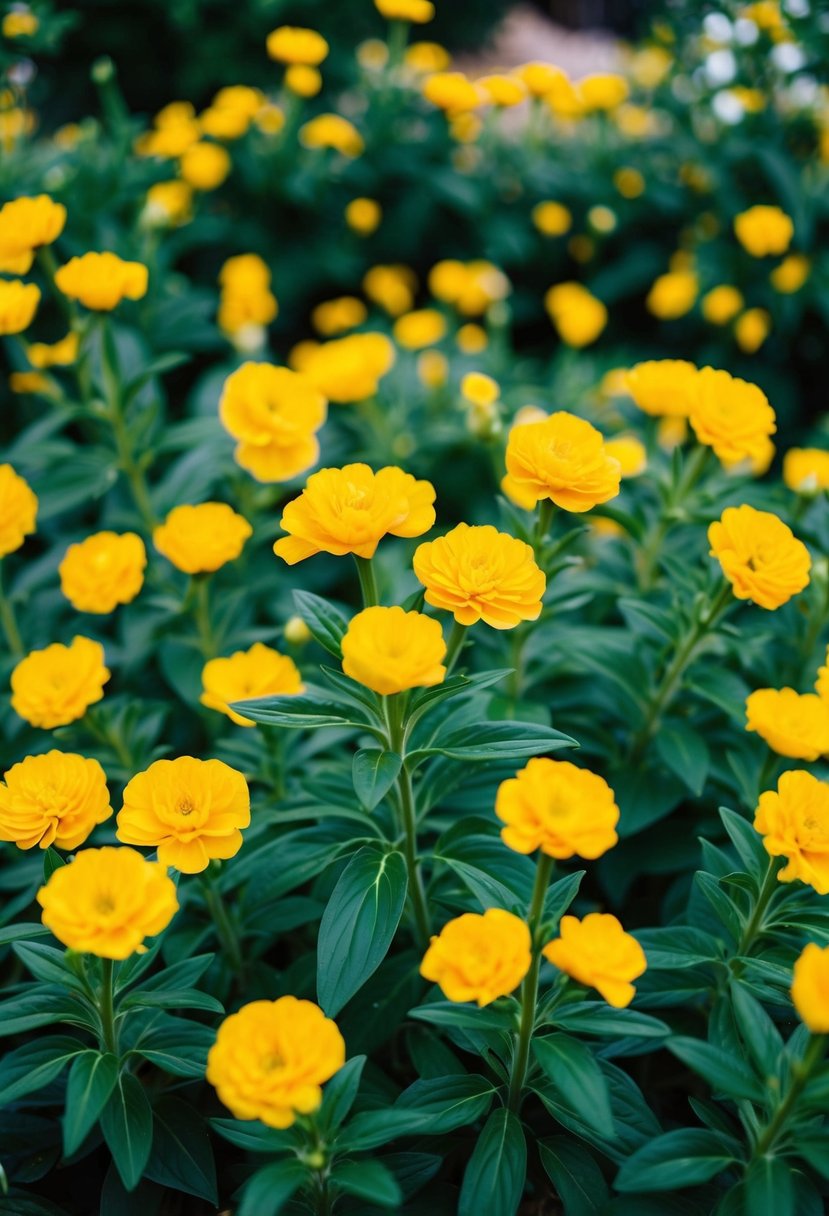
(480, 389)
(350, 510)
(20, 23)
(794, 823)
(479, 956)
(303, 80)
(629, 182)
(232, 111)
(602, 219)
(201, 539)
(56, 685)
(470, 286)
(752, 329)
(175, 129)
(332, 131)
(392, 287)
(190, 810)
(598, 953)
(721, 304)
(350, 369)
(554, 806)
(563, 459)
(270, 119)
(18, 510)
(452, 92)
(479, 573)
(539, 78)
(791, 723)
(806, 470)
(271, 1058)
(417, 11)
(416, 330)
(760, 556)
(576, 313)
(32, 382)
(432, 369)
(274, 413)
(390, 650)
(25, 225)
(106, 901)
(204, 166)
(731, 416)
(427, 57)
(602, 91)
(764, 231)
(471, 339)
(292, 44)
(103, 571)
(810, 988)
(54, 354)
(502, 90)
(247, 300)
(168, 203)
(791, 274)
(552, 219)
(296, 632)
(630, 452)
(100, 281)
(363, 215)
(672, 295)
(18, 305)
(52, 799)
(258, 672)
(333, 317)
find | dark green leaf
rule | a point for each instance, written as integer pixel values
(326, 622)
(369, 1180)
(493, 1181)
(594, 1017)
(497, 741)
(127, 1124)
(91, 1080)
(575, 1175)
(270, 1188)
(33, 1065)
(686, 754)
(374, 772)
(572, 1070)
(724, 1073)
(340, 1092)
(678, 1159)
(181, 1155)
(768, 1187)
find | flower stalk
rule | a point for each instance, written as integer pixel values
(394, 708)
(106, 1011)
(529, 987)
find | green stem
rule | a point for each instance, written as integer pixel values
(9, 622)
(49, 266)
(225, 930)
(110, 739)
(801, 1071)
(201, 614)
(127, 462)
(755, 921)
(529, 988)
(543, 523)
(109, 1039)
(454, 646)
(395, 720)
(368, 582)
(652, 545)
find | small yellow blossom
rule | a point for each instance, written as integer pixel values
(100, 281)
(559, 808)
(103, 571)
(598, 953)
(792, 724)
(55, 686)
(55, 798)
(18, 510)
(201, 539)
(260, 671)
(479, 956)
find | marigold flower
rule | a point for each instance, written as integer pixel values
(502, 90)
(764, 231)
(392, 287)
(389, 650)
(452, 92)
(731, 416)
(25, 225)
(247, 301)
(469, 286)
(602, 91)
(333, 317)
(810, 988)
(350, 510)
(721, 304)
(806, 470)
(56, 685)
(630, 453)
(794, 823)
(106, 901)
(296, 632)
(168, 203)
(100, 281)
(19, 23)
(18, 510)
(293, 44)
(257, 672)
(199, 540)
(760, 556)
(598, 953)
(332, 131)
(432, 369)
(427, 57)
(204, 166)
(303, 80)
(271, 1058)
(417, 11)
(18, 305)
(55, 354)
(673, 295)
(274, 413)
(52, 799)
(752, 329)
(563, 459)
(559, 808)
(479, 957)
(190, 810)
(791, 723)
(480, 389)
(363, 215)
(103, 571)
(32, 382)
(791, 274)
(419, 329)
(350, 369)
(576, 313)
(479, 573)
(471, 339)
(629, 182)
(551, 218)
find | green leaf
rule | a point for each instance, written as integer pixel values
(177, 1046)
(559, 896)
(497, 741)
(15, 933)
(572, 1070)
(369, 1180)
(594, 1017)
(465, 1017)
(181, 1155)
(769, 1187)
(47, 964)
(678, 1159)
(358, 924)
(747, 842)
(813, 1147)
(174, 998)
(432, 1106)
(493, 1181)
(34, 1065)
(374, 772)
(42, 1005)
(52, 861)
(127, 1124)
(685, 753)
(270, 1188)
(757, 1030)
(575, 1175)
(326, 622)
(253, 1136)
(91, 1080)
(678, 946)
(300, 711)
(723, 1072)
(340, 1093)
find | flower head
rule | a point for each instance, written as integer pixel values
(54, 354)
(479, 573)
(201, 539)
(760, 556)
(103, 571)
(350, 510)
(559, 808)
(190, 810)
(18, 510)
(274, 413)
(662, 387)
(469, 286)
(576, 313)
(810, 988)
(106, 901)
(752, 329)
(55, 798)
(630, 452)
(271, 1058)
(419, 329)
(673, 295)
(791, 274)
(598, 953)
(25, 225)
(257, 672)
(350, 369)
(806, 470)
(204, 166)
(363, 215)
(100, 281)
(793, 724)
(794, 823)
(552, 218)
(764, 230)
(479, 957)
(333, 317)
(56, 685)
(392, 287)
(293, 44)
(18, 305)
(563, 459)
(390, 650)
(332, 131)
(721, 304)
(452, 92)
(417, 11)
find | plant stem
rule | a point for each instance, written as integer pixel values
(368, 582)
(129, 466)
(393, 707)
(225, 930)
(454, 646)
(543, 523)
(801, 1072)
(201, 614)
(688, 478)
(109, 1039)
(529, 987)
(755, 921)
(9, 622)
